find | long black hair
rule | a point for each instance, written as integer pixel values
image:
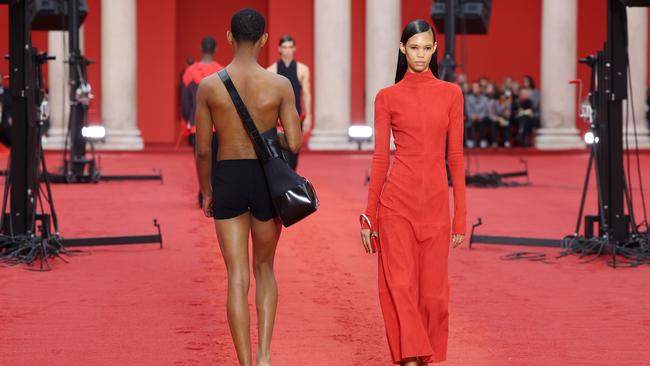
(414, 27)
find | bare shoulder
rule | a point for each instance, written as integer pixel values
(302, 68)
(273, 68)
(210, 86)
(277, 80)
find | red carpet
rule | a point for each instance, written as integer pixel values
(139, 305)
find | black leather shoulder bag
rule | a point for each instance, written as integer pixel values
(294, 197)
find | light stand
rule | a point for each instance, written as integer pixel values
(617, 232)
(26, 234)
(78, 165)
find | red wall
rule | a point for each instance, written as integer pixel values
(157, 76)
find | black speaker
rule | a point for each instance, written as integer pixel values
(636, 2)
(472, 16)
(53, 14)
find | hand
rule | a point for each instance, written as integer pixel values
(306, 124)
(366, 239)
(457, 239)
(207, 204)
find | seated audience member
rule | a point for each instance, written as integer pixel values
(499, 112)
(524, 118)
(476, 105)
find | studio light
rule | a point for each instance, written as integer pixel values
(93, 133)
(360, 134)
(590, 139)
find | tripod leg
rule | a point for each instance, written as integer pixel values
(585, 187)
(5, 197)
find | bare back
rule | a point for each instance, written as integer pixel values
(267, 97)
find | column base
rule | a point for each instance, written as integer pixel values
(116, 139)
(558, 139)
(337, 140)
(123, 140)
(55, 139)
(643, 138)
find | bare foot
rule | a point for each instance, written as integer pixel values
(263, 361)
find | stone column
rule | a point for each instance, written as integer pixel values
(332, 75)
(59, 90)
(559, 63)
(383, 20)
(118, 58)
(637, 27)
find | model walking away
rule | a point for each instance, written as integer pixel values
(236, 194)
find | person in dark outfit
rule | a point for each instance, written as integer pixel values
(192, 76)
(298, 75)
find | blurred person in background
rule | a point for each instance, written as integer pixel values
(191, 79)
(499, 112)
(299, 76)
(524, 118)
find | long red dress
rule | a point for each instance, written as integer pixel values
(410, 209)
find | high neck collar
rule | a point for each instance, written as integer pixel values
(419, 77)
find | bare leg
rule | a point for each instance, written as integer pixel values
(233, 241)
(410, 362)
(265, 240)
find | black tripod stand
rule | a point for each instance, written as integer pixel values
(617, 233)
(79, 166)
(27, 234)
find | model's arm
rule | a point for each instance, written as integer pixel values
(273, 68)
(456, 161)
(204, 146)
(381, 156)
(291, 139)
(306, 97)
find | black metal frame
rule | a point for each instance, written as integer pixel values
(26, 234)
(77, 166)
(607, 92)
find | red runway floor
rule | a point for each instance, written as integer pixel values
(139, 305)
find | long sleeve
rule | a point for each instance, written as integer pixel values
(381, 156)
(456, 161)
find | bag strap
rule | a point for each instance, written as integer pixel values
(260, 147)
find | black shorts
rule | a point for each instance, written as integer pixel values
(239, 186)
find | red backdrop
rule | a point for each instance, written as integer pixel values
(171, 30)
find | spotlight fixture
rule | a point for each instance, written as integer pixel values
(360, 134)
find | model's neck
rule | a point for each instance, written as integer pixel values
(286, 60)
(413, 71)
(206, 59)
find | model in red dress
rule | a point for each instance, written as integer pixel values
(409, 207)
